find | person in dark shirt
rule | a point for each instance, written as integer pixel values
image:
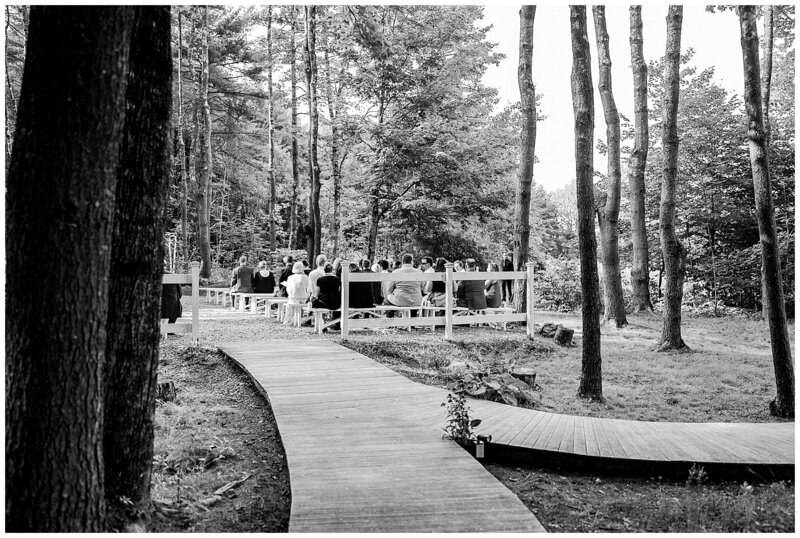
(360, 292)
(508, 265)
(377, 295)
(171, 308)
(470, 292)
(263, 279)
(330, 294)
(287, 272)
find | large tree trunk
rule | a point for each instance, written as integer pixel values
(206, 165)
(770, 254)
(591, 385)
(60, 204)
(608, 212)
(313, 129)
(270, 137)
(673, 251)
(295, 166)
(640, 263)
(522, 205)
(182, 149)
(137, 255)
(766, 82)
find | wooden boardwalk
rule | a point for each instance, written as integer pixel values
(361, 457)
(365, 452)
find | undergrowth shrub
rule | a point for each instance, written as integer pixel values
(558, 285)
(459, 425)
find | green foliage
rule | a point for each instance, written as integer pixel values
(497, 387)
(459, 425)
(697, 475)
(558, 285)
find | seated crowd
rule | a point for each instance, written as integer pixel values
(321, 287)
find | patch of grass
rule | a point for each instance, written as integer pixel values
(584, 503)
(728, 376)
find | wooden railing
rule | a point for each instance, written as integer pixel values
(192, 278)
(450, 318)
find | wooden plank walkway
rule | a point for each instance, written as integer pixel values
(365, 453)
(365, 450)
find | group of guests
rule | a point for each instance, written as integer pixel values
(321, 286)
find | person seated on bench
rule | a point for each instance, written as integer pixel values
(436, 289)
(360, 292)
(322, 261)
(297, 291)
(494, 295)
(242, 280)
(329, 291)
(284, 275)
(263, 279)
(470, 292)
(405, 292)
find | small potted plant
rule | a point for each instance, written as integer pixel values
(459, 426)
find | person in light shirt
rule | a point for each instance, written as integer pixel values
(313, 290)
(405, 292)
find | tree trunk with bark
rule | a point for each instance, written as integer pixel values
(60, 204)
(295, 165)
(640, 263)
(204, 179)
(313, 129)
(608, 211)
(522, 205)
(273, 198)
(336, 171)
(770, 253)
(673, 252)
(137, 256)
(182, 149)
(766, 82)
(591, 385)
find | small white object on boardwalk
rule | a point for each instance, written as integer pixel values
(365, 450)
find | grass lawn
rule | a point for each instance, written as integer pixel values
(727, 377)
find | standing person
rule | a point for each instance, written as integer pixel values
(507, 286)
(322, 261)
(242, 280)
(492, 286)
(171, 308)
(470, 292)
(263, 279)
(405, 292)
(285, 274)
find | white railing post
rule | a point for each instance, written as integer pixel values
(448, 301)
(195, 267)
(529, 298)
(345, 298)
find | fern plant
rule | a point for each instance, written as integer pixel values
(459, 425)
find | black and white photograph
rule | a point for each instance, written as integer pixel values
(399, 268)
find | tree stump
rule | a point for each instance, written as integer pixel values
(563, 336)
(166, 391)
(527, 375)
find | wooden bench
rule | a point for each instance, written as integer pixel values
(214, 295)
(377, 311)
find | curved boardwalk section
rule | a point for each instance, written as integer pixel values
(365, 450)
